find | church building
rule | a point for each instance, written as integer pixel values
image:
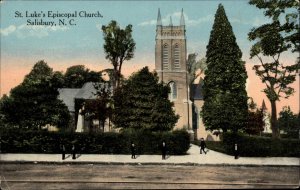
(171, 66)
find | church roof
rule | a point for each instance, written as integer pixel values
(87, 91)
(67, 95)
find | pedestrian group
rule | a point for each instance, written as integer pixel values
(133, 150)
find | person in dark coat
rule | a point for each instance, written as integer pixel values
(236, 151)
(132, 147)
(73, 152)
(63, 151)
(202, 146)
(163, 150)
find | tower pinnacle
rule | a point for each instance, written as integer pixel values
(182, 22)
(158, 18)
(171, 24)
(263, 106)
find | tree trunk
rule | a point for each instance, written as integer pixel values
(103, 125)
(115, 78)
(274, 126)
(118, 79)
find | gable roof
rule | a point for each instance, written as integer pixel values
(67, 95)
(87, 92)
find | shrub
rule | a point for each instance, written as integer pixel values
(179, 142)
(19, 141)
(260, 146)
(216, 146)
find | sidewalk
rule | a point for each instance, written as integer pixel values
(193, 158)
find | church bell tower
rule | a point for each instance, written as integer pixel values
(170, 64)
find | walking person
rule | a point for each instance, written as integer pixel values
(163, 150)
(73, 152)
(132, 147)
(202, 146)
(63, 152)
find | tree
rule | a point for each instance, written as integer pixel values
(142, 103)
(101, 107)
(271, 41)
(76, 76)
(225, 97)
(255, 123)
(252, 105)
(7, 110)
(287, 14)
(58, 79)
(119, 47)
(195, 69)
(288, 121)
(34, 103)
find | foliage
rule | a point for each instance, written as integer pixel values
(142, 103)
(119, 47)
(252, 105)
(76, 76)
(261, 146)
(255, 120)
(287, 12)
(255, 123)
(101, 107)
(288, 121)
(110, 73)
(225, 96)
(255, 146)
(19, 141)
(34, 103)
(195, 68)
(283, 135)
(271, 41)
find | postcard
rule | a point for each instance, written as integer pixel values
(72, 46)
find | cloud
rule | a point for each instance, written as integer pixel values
(8, 30)
(199, 21)
(255, 22)
(99, 27)
(24, 30)
(176, 20)
(258, 22)
(146, 23)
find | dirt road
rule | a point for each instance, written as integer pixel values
(93, 176)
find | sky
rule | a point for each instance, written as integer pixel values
(62, 46)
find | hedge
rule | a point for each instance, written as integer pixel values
(261, 146)
(19, 141)
(254, 146)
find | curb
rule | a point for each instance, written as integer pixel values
(141, 164)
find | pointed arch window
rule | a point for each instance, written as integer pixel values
(165, 57)
(176, 57)
(173, 92)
